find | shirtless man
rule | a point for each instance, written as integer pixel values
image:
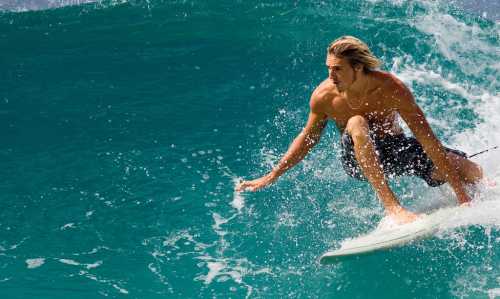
(365, 104)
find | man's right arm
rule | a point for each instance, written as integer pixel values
(301, 145)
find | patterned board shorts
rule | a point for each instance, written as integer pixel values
(399, 155)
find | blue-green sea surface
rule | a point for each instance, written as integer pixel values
(125, 126)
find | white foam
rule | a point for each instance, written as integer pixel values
(68, 226)
(238, 200)
(69, 262)
(421, 74)
(485, 213)
(120, 289)
(104, 281)
(94, 265)
(172, 240)
(75, 263)
(218, 221)
(485, 135)
(465, 44)
(220, 266)
(20, 6)
(157, 272)
(35, 263)
(214, 268)
(287, 219)
(494, 293)
(223, 269)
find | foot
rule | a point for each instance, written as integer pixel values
(400, 216)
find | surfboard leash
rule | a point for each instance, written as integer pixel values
(482, 152)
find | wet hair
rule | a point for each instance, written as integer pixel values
(355, 51)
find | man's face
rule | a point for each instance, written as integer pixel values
(340, 72)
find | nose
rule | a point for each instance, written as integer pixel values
(331, 74)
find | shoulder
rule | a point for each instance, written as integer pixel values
(389, 82)
(395, 92)
(322, 95)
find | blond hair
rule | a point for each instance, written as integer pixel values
(355, 51)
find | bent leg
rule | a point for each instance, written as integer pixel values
(364, 150)
(468, 171)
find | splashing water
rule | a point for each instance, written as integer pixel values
(126, 125)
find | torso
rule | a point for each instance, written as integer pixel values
(376, 106)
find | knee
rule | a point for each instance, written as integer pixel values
(357, 127)
(469, 170)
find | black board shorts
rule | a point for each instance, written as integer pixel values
(398, 154)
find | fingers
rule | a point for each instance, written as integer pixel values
(253, 185)
(244, 186)
(240, 186)
(247, 186)
(253, 188)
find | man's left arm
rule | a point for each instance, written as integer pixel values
(416, 121)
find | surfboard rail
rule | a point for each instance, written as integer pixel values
(387, 237)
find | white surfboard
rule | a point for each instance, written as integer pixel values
(386, 236)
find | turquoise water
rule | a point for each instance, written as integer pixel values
(126, 125)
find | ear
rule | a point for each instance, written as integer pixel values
(358, 67)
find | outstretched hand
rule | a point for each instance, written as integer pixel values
(256, 184)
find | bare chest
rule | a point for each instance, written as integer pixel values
(374, 111)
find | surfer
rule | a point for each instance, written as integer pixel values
(365, 104)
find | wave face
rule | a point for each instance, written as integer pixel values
(125, 126)
(28, 5)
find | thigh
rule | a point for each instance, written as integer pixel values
(348, 157)
(401, 155)
(469, 171)
(414, 161)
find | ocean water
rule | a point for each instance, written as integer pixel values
(125, 126)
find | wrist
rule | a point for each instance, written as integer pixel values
(273, 175)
